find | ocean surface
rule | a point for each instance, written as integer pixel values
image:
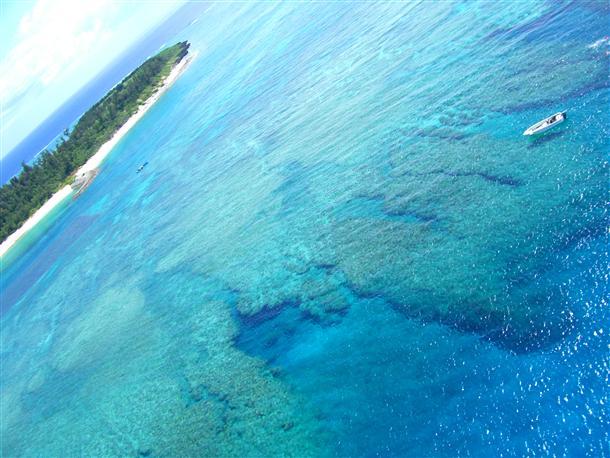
(342, 245)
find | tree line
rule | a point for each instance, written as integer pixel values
(27, 192)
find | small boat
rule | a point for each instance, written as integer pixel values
(546, 124)
(142, 167)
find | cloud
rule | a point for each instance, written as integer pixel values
(51, 38)
(56, 47)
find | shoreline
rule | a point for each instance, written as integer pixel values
(96, 160)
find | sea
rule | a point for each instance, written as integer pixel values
(342, 245)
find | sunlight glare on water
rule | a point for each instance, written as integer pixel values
(342, 245)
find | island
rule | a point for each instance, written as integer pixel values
(73, 163)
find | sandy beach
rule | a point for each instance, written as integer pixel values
(96, 160)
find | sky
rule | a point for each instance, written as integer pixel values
(51, 48)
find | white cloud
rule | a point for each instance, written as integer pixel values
(50, 38)
(59, 45)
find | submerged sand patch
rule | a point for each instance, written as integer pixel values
(102, 330)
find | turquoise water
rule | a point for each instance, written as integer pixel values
(342, 245)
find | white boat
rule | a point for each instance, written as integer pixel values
(546, 124)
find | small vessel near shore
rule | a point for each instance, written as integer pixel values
(142, 167)
(546, 124)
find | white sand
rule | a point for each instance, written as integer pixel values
(95, 160)
(33, 220)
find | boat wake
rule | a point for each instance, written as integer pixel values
(596, 44)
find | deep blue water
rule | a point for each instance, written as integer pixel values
(342, 245)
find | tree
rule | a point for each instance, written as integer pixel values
(25, 193)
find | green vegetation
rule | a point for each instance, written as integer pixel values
(27, 192)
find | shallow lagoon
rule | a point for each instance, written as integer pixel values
(341, 245)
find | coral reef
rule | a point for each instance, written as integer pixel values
(158, 387)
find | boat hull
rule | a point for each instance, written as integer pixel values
(544, 125)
